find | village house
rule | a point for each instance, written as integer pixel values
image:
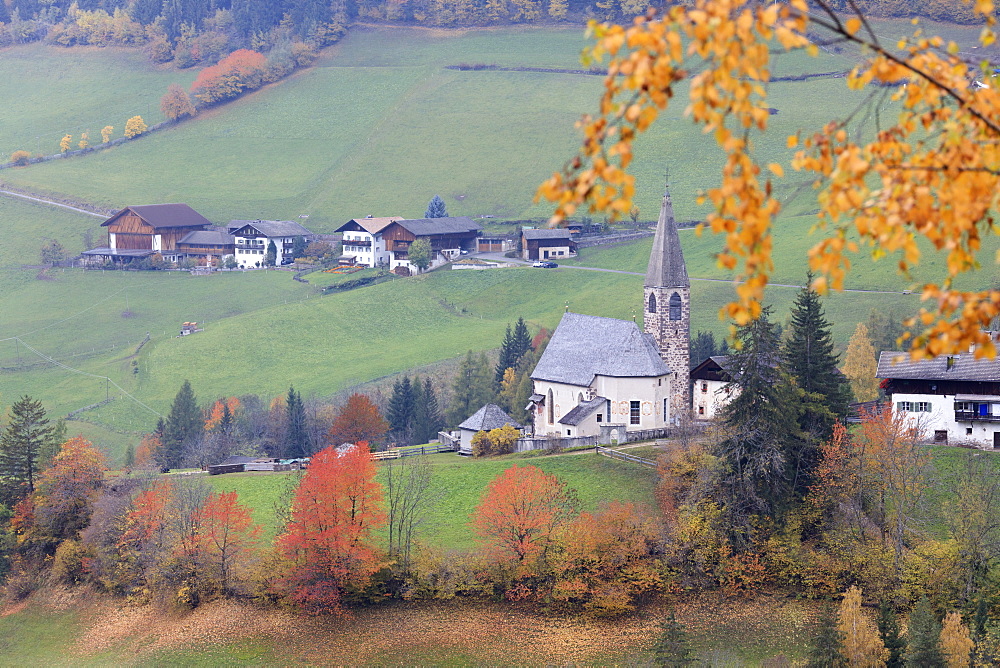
(363, 241)
(951, 398)
(207, 246)
(604, 377)
(547, 244)
(710, 389)
(142, 231)
(448, 237)
(251, 239)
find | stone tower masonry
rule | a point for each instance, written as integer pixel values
(667, 305)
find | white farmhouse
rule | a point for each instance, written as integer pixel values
(364, 242)
(951, 398)
(252, 238)
(711, 387)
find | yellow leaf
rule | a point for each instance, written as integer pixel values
(853, 25)
(777, 169)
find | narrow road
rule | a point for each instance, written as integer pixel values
(39, 200)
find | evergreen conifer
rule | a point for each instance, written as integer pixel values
(436, 208)
(827, 643)
(401, 410)
(296, 435)
(672, 649)
(26, 435)
(183, 425)
(924, 635)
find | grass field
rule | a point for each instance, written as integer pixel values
(461, 483)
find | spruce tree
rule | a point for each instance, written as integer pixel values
(436, 208)
(296, 435)
(473, 387)
(827, 644)
(759, 427)
(672, 649)
(26, 435)
(888, 631)
(426, 414)
(924, 631)
(515, 345)
(183, 425)
(401, 409)
(704, 346)
(271, 254)
(418, 427)
(809, 360)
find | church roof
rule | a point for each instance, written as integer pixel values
(585, 346)
(666, 262)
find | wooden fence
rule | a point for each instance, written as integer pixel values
(413, 451)
(625, 457)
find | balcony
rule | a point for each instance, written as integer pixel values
(973, 416)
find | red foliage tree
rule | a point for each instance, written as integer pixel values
(217, 413)
(358, 420)
(146, 453)
(67, 489)
(239, 71)
(521, 512)
(226, 535)
(329, 538)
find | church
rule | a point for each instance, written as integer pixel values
(602, 376)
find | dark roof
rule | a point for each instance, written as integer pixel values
(489, 416)
(271, 228)
(713, 368)
(423, 227)
(236, 459)
(584, 346)
(581, 411)
(897, 365)
(164, 215)
(204, 237)
(556, 233)
(666, 262)
(120, 252)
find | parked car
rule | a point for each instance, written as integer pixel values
(545, 264)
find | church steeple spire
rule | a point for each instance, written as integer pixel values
(667, 301)
(666, 262)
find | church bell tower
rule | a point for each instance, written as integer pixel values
(667, 303)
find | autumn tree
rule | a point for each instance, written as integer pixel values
(956, 645)
(134, 127)
(65, 143)
(436, 208)
(861, 365)
(409, 495)
(357, 420)
(106, 133)
(84, 140)
(176, 103)
(240, 71)
(521, 512)
(226, 536)
(52, 252)
(27, 431)
(328, 542)
(420, 254)
(222, 415)
(934, 157)
(861, 644)
(20, 157)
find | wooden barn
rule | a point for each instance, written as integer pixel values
(448, 238)
(151, 228)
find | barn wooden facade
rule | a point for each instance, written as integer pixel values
(153, 227)
(444, 234)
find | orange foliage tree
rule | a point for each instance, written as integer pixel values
(328, 542)
(221, 414)
(521, 513)
(239, 71)
(358, 420)
(226, 534)
(931, 173)
(176, 103)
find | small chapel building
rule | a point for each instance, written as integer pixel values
(604, 377)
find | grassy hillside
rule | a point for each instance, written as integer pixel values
(397, 128)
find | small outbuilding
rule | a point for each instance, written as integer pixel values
(488, 417)
(547, 244)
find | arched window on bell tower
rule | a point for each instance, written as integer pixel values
(652, 303)
(675, 306)
(552, 411)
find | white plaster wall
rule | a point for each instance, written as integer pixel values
(942, 417)
(650, 392)
(710, 395)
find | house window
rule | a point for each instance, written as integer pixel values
(923, 407)
(664, 409)
(701, 410)
(569, 432)
(651, 307)
(600, 417)
(675, 306)
(904, 406)
(968, 431)
(704, 388)
(634, 415)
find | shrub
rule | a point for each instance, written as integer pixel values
(20, 158)
(134, 127)
(69, 563)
